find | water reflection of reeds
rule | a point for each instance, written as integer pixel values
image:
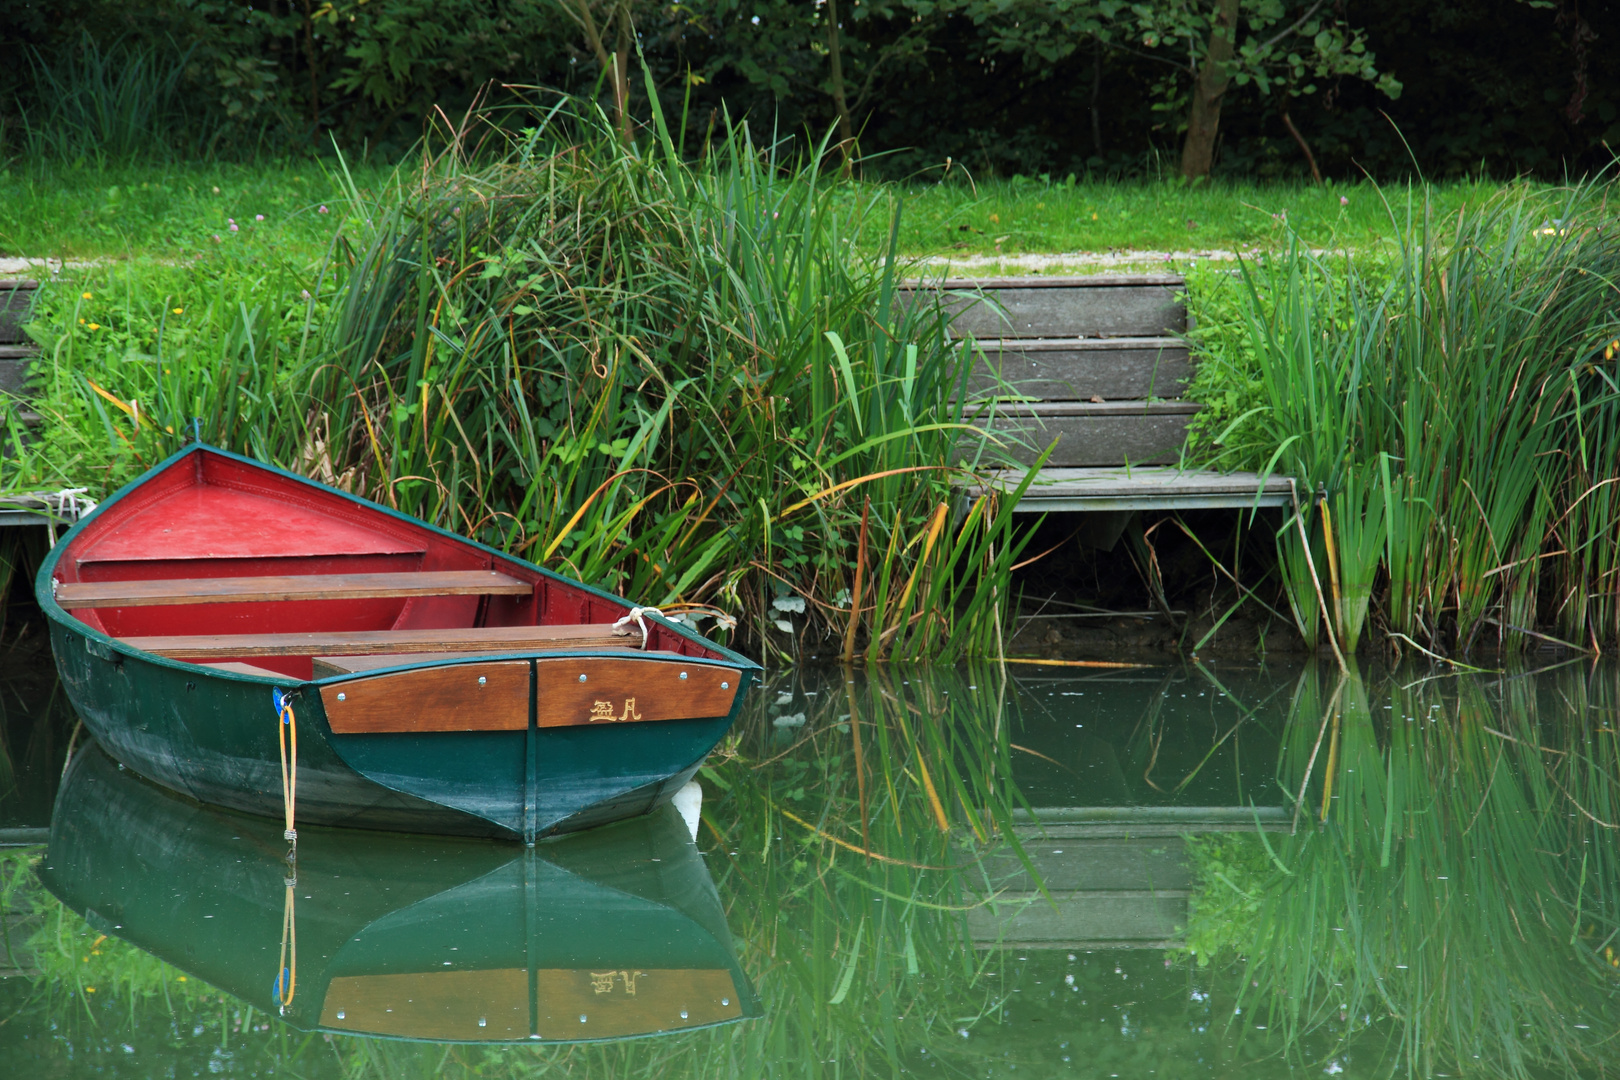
(1453, 882)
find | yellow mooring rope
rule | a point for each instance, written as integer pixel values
(286, 984)
(287, 729)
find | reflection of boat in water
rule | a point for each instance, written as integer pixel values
(610, 934)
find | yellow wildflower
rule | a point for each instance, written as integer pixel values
(87, 296)
(179, 311)
(95, 326)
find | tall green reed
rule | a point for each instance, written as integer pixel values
(119, 102)
(1454, 398)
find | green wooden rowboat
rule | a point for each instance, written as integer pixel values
(216, 609)
(611, 934)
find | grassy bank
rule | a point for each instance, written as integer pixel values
(171, 210)
(1449, 407)
(679, 381)
(1014, 217)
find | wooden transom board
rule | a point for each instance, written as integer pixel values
(465, 1005)
(491, 696)
(589, 1004)
(596, 690)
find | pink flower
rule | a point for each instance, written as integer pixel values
(1344, 200)
(233, 227)
(258, 217)
(230, 221)
(324, 210)
(216, 238)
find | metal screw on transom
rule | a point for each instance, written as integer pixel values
(343, 697)
(725, 686)
(582, 678)
(481, 680)
(683, 676)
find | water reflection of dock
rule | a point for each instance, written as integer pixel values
(1115, 877)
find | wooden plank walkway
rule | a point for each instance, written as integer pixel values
(1144, 488)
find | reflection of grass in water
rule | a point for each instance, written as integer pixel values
(860, 958)
(80, 967)
(1463, 889)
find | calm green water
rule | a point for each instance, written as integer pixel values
(932, 872)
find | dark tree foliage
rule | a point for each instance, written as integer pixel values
(1500, 87)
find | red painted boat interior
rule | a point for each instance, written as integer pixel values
(209, 516)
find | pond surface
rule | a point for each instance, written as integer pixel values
(1167, 871)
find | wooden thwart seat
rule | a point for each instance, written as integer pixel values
(237, 590)
(373, 642)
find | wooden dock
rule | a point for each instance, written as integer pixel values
(1097, 364)
(1130, 489)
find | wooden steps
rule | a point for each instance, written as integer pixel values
(17, 352)
(122, 594)
(1093, 362)
(371, 642)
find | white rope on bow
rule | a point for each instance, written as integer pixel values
(635, 616)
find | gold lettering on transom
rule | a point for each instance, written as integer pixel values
(602, 981)
(603, 711)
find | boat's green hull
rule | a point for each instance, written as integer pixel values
(213, 735)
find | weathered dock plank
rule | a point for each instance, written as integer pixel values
(1123, 305)
(1093, 433)
(1147, 488)
(16, 300)
(1079, 369)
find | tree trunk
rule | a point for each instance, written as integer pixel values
(314, 68)
(1096, 90)
(846, 130)
(1204, 115)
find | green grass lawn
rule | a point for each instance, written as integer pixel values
(171, 212)
(174, 212)
(1013, 217)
